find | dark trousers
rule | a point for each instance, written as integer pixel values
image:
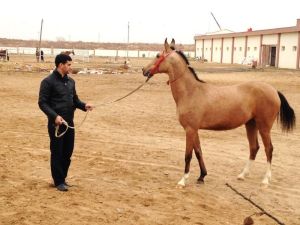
(61, 152)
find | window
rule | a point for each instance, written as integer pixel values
(294, 48)
(282, 48)
(227, 48)
(234, 48)
(255, 48)
(241, 49)
(248, 48)
(216, 48)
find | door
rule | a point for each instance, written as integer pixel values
(265, 55)
(273, 56)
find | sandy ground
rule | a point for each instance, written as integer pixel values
(129, 155)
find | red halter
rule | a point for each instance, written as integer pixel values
(161, 58)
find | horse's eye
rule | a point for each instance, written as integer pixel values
(157, 56)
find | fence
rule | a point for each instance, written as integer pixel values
(86, 53)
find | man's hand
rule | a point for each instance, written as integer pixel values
(89, 107)
(59, 120)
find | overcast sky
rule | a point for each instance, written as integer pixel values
(150, 21)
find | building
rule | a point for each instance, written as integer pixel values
(278, 47)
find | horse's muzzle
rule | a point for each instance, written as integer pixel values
(147, 73)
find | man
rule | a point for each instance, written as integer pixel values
(42, 55)
(58, 100)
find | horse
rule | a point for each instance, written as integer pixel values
(4, 54)
(201, 105)
(68, 52)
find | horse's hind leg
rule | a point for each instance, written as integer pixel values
(190, 137)
(251, 129)
(198, 153)
(266, 138)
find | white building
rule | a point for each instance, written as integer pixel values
(278, 47)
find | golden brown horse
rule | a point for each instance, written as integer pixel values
(4, 54)
(68, 52)
(202, 105)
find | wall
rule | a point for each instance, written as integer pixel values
(270, 39)
(253, 48)
(198, 47)
(288, 55)
(217, 50)
(227, 50)
(239, 50)
(207, 50)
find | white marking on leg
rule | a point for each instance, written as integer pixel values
(246, 170)
(268, 175)
(183, 180)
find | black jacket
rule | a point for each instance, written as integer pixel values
(58, 97)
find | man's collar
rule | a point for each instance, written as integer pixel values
(65, 77)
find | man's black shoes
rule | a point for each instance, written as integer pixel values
(62, 187)
(68, 185)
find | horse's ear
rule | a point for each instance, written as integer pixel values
(167, 46)
(172, 45)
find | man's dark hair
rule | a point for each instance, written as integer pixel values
(62, 58)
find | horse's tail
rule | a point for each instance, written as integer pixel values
(286, 115)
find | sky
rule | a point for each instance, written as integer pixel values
(150, 21)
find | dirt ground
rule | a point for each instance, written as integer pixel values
(129, 155)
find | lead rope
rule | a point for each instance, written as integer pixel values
(68, 126)
(102, 104)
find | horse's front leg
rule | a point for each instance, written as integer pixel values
(190, 137)
(198, 153)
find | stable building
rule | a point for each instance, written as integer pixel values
(278, 47)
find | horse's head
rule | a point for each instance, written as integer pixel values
(73, 52)
(160, 64)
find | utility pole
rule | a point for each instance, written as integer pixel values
(127, 40)
(39, 48)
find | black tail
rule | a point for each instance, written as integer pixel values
(286, 114)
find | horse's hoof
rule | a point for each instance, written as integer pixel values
(265, 182)
(241, 177)
(200, 180)
(182, 181)
(264, 185)
(180, 186)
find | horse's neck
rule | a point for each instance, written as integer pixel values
(183, 85)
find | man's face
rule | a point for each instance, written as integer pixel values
(65, 68)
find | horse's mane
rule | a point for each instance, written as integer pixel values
(188, 63)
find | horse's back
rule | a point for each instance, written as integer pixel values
(228, 107)
(3, 52)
